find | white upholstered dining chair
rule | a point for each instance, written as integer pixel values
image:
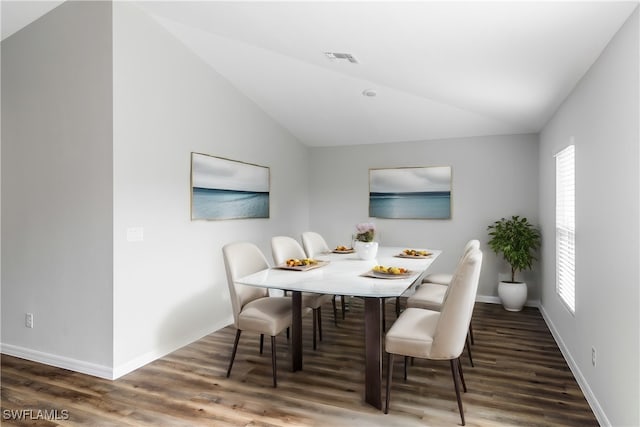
(445, 278)
(438, 335)
(284, 248)
(253, 309)
(433, 289)
(314, 244)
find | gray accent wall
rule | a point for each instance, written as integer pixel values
(493, 177)
(602, 117)
(57, 188)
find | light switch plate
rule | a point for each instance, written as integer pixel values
(135, 234)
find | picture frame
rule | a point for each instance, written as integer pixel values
(224, 189)
(410, 192)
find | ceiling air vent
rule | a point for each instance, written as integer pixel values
(334, 56)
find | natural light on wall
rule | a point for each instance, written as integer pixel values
(565, 226)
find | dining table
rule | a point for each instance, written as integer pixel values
(345, 273)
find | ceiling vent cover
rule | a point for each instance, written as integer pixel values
(334, 56)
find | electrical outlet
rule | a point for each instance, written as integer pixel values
(28, 320)
(593, 356)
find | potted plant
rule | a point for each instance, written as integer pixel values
(517, 240)
(364, 243)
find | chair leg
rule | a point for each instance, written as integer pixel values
(397, 307)
(464, 385)
(320, 323)
(454, 373)
(344, 305)
(389, 375)
(273, 359)
(473, 341)
(469, 352)
(335, 310)
(233, 353)
(315, 326)
(261, 342)
(287, 332)
(406, 358)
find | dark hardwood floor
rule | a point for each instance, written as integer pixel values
(520, 379)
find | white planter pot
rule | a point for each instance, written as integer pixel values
(366, 250)
(513, 295)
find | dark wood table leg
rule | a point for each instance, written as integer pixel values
(296, 331)
(373, 352)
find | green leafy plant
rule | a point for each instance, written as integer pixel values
(517, 240)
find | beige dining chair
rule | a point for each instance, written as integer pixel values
(445, 278)
(253, 309)
(284, 248)
(438, 335)
(314, 244)
(431, 292)
(431, 296)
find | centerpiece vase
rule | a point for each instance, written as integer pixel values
(366, 250)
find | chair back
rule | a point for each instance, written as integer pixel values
(242, 259)
(314, 244)
(457, 308)
(285, 247)
(471, 244)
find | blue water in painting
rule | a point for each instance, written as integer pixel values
(423, 205)
(226, 204)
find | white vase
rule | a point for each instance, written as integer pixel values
(513, 295)
(366, 250)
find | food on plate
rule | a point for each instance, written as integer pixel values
(343, 248)
(294, 262)
(416, 252)
(390, 270)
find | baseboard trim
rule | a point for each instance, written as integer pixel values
(575, 370)
(106, 372)
(491, 299)
(84, 367)
(488, 299)
(601, 416)
(101, 371)
(144, 359)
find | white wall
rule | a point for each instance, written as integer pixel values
(602, 114)
(492, 177)
(57, 188)
(99, 123)
(171, 288)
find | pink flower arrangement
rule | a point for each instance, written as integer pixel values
(365, 232)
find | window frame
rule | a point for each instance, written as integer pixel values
(565, 230)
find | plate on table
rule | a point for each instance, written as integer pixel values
(343, 250)
(302, 265)
(380, 272)
(414, 253)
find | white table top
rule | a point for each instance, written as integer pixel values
(343, 275)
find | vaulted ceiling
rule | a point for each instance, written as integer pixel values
(437, 69)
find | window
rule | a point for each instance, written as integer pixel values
(566, 227)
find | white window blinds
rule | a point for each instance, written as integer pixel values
(565, 226)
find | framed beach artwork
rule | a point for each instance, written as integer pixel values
(410, 193)
(228, 189)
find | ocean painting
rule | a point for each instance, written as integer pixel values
(410, 193)
(228, 189)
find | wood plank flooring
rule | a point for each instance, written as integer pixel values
(520, 378)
